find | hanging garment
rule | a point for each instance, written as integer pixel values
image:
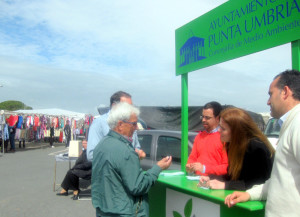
(49, 121)
(28, 121)
(61, 136)
(24, 123)
(38, 133)
(31, 134)
(20, 122)
(22, 136)
(6, 134)
(12, 120)
(74, 123)
(43, 122)
(36, 121)
(87, 120)
(18, 133)
(62, 123)
(92, 119)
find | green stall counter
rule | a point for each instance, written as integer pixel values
(178, 196)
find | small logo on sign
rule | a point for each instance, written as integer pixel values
(192, 51)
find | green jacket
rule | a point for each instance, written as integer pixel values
(118, 181)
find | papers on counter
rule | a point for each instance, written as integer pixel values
(179, 173)
(194, 178)
(168, 173)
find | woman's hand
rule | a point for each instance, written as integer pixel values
(216, 184)
(204, 179)
(204, 182)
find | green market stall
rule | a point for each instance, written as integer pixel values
(177, 196)
(234, 29)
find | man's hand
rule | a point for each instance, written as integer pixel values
(165, 162)
(197, 167)
(140, 153)
(188, 168)
(193, 167)
(236, 197)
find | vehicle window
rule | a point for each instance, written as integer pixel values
(192, 138)
(145, 142)
(169, 146)
(273, 128)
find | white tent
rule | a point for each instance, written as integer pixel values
(53, 112)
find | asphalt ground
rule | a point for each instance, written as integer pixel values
(26, 184)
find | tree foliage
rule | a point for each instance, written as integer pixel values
(12, 105)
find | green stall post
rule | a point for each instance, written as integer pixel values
(184, 120)
(296, 55)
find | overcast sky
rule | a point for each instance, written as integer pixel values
(74, 54)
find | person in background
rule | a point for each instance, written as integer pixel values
(282, 190)
(6, 135)
(100, 128)
(51, 135)
(119, 185)
(67, 131)
(208, 155)
(81, 169)
(12, 133)
(250, 154)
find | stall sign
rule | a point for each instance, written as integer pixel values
(234, 29)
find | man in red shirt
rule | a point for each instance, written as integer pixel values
(208, 156)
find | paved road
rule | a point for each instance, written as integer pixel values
(26, 185)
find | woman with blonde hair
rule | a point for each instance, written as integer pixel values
(250, 154)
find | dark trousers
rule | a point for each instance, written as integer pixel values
(51, 140)
(20, 142)
(5, 144)
(68, 142)
(12, 142)
(70, 181)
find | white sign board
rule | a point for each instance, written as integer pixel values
(184, 205)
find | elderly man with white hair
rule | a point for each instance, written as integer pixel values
(119, 185)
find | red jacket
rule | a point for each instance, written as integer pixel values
(209, 151)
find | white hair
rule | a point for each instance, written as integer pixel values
(121, 112)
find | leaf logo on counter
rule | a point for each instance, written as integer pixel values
(187, 210)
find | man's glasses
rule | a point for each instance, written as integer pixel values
(132, 123)
(205, 117)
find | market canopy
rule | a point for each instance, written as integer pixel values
(53, 112)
